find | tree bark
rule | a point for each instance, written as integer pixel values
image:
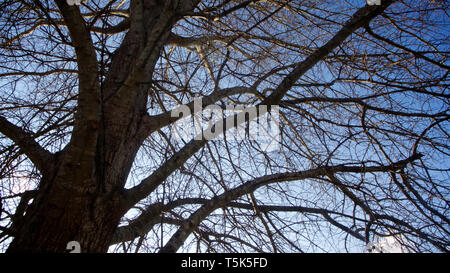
(62, 214)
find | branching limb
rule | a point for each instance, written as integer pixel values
(222, 200)
(153, 123)
(361, 18)
(85, 130)
(40, 157)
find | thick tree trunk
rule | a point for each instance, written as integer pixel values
(66, 209)
(82, 201)
(69, 206)
(62, 216)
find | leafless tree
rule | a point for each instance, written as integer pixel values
(88, 153)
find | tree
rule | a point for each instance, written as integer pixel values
(89, 154)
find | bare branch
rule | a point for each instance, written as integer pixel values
(40, 157)
(153, 123)
(88, 114)
(362, 17)
(222, 200)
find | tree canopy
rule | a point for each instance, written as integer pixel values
(88, 150)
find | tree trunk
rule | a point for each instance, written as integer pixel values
(82, 201)
(60, 216)
(67, 207)
(70, 207)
